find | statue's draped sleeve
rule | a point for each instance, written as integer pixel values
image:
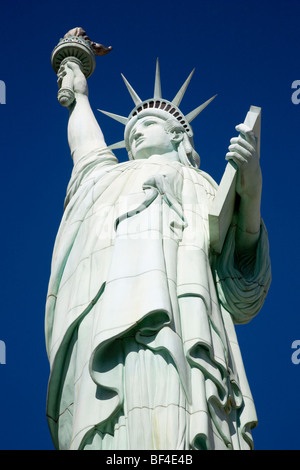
(242, 283)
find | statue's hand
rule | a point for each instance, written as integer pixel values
(243, 152)
(76, 77)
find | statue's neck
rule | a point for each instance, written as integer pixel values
(165, 157)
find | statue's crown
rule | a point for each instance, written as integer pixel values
(157, 106)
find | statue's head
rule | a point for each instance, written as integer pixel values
(164, 126)
(149, 134)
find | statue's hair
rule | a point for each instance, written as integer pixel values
(187, 153)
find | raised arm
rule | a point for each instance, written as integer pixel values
(84, 133)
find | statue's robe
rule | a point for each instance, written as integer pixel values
(140, 313)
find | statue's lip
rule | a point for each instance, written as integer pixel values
(139, 140)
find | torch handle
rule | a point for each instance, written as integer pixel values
(66, 94)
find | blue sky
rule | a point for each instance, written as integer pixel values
(247, 53)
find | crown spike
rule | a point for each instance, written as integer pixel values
(189, 117)
(116, 117)
(157, 86)
(117, 145)
(133, 94)
(177, 100)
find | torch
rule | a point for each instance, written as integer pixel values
(76, 47)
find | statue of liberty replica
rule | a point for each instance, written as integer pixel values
(141, 308)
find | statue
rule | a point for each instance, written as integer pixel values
(140, 309)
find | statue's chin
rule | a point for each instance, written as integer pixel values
(143, 154)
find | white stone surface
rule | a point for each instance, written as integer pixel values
(140, 312)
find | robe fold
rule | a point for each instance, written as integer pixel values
(140, 313)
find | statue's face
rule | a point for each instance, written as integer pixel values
(148, 137)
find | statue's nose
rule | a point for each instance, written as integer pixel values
(137, 135)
